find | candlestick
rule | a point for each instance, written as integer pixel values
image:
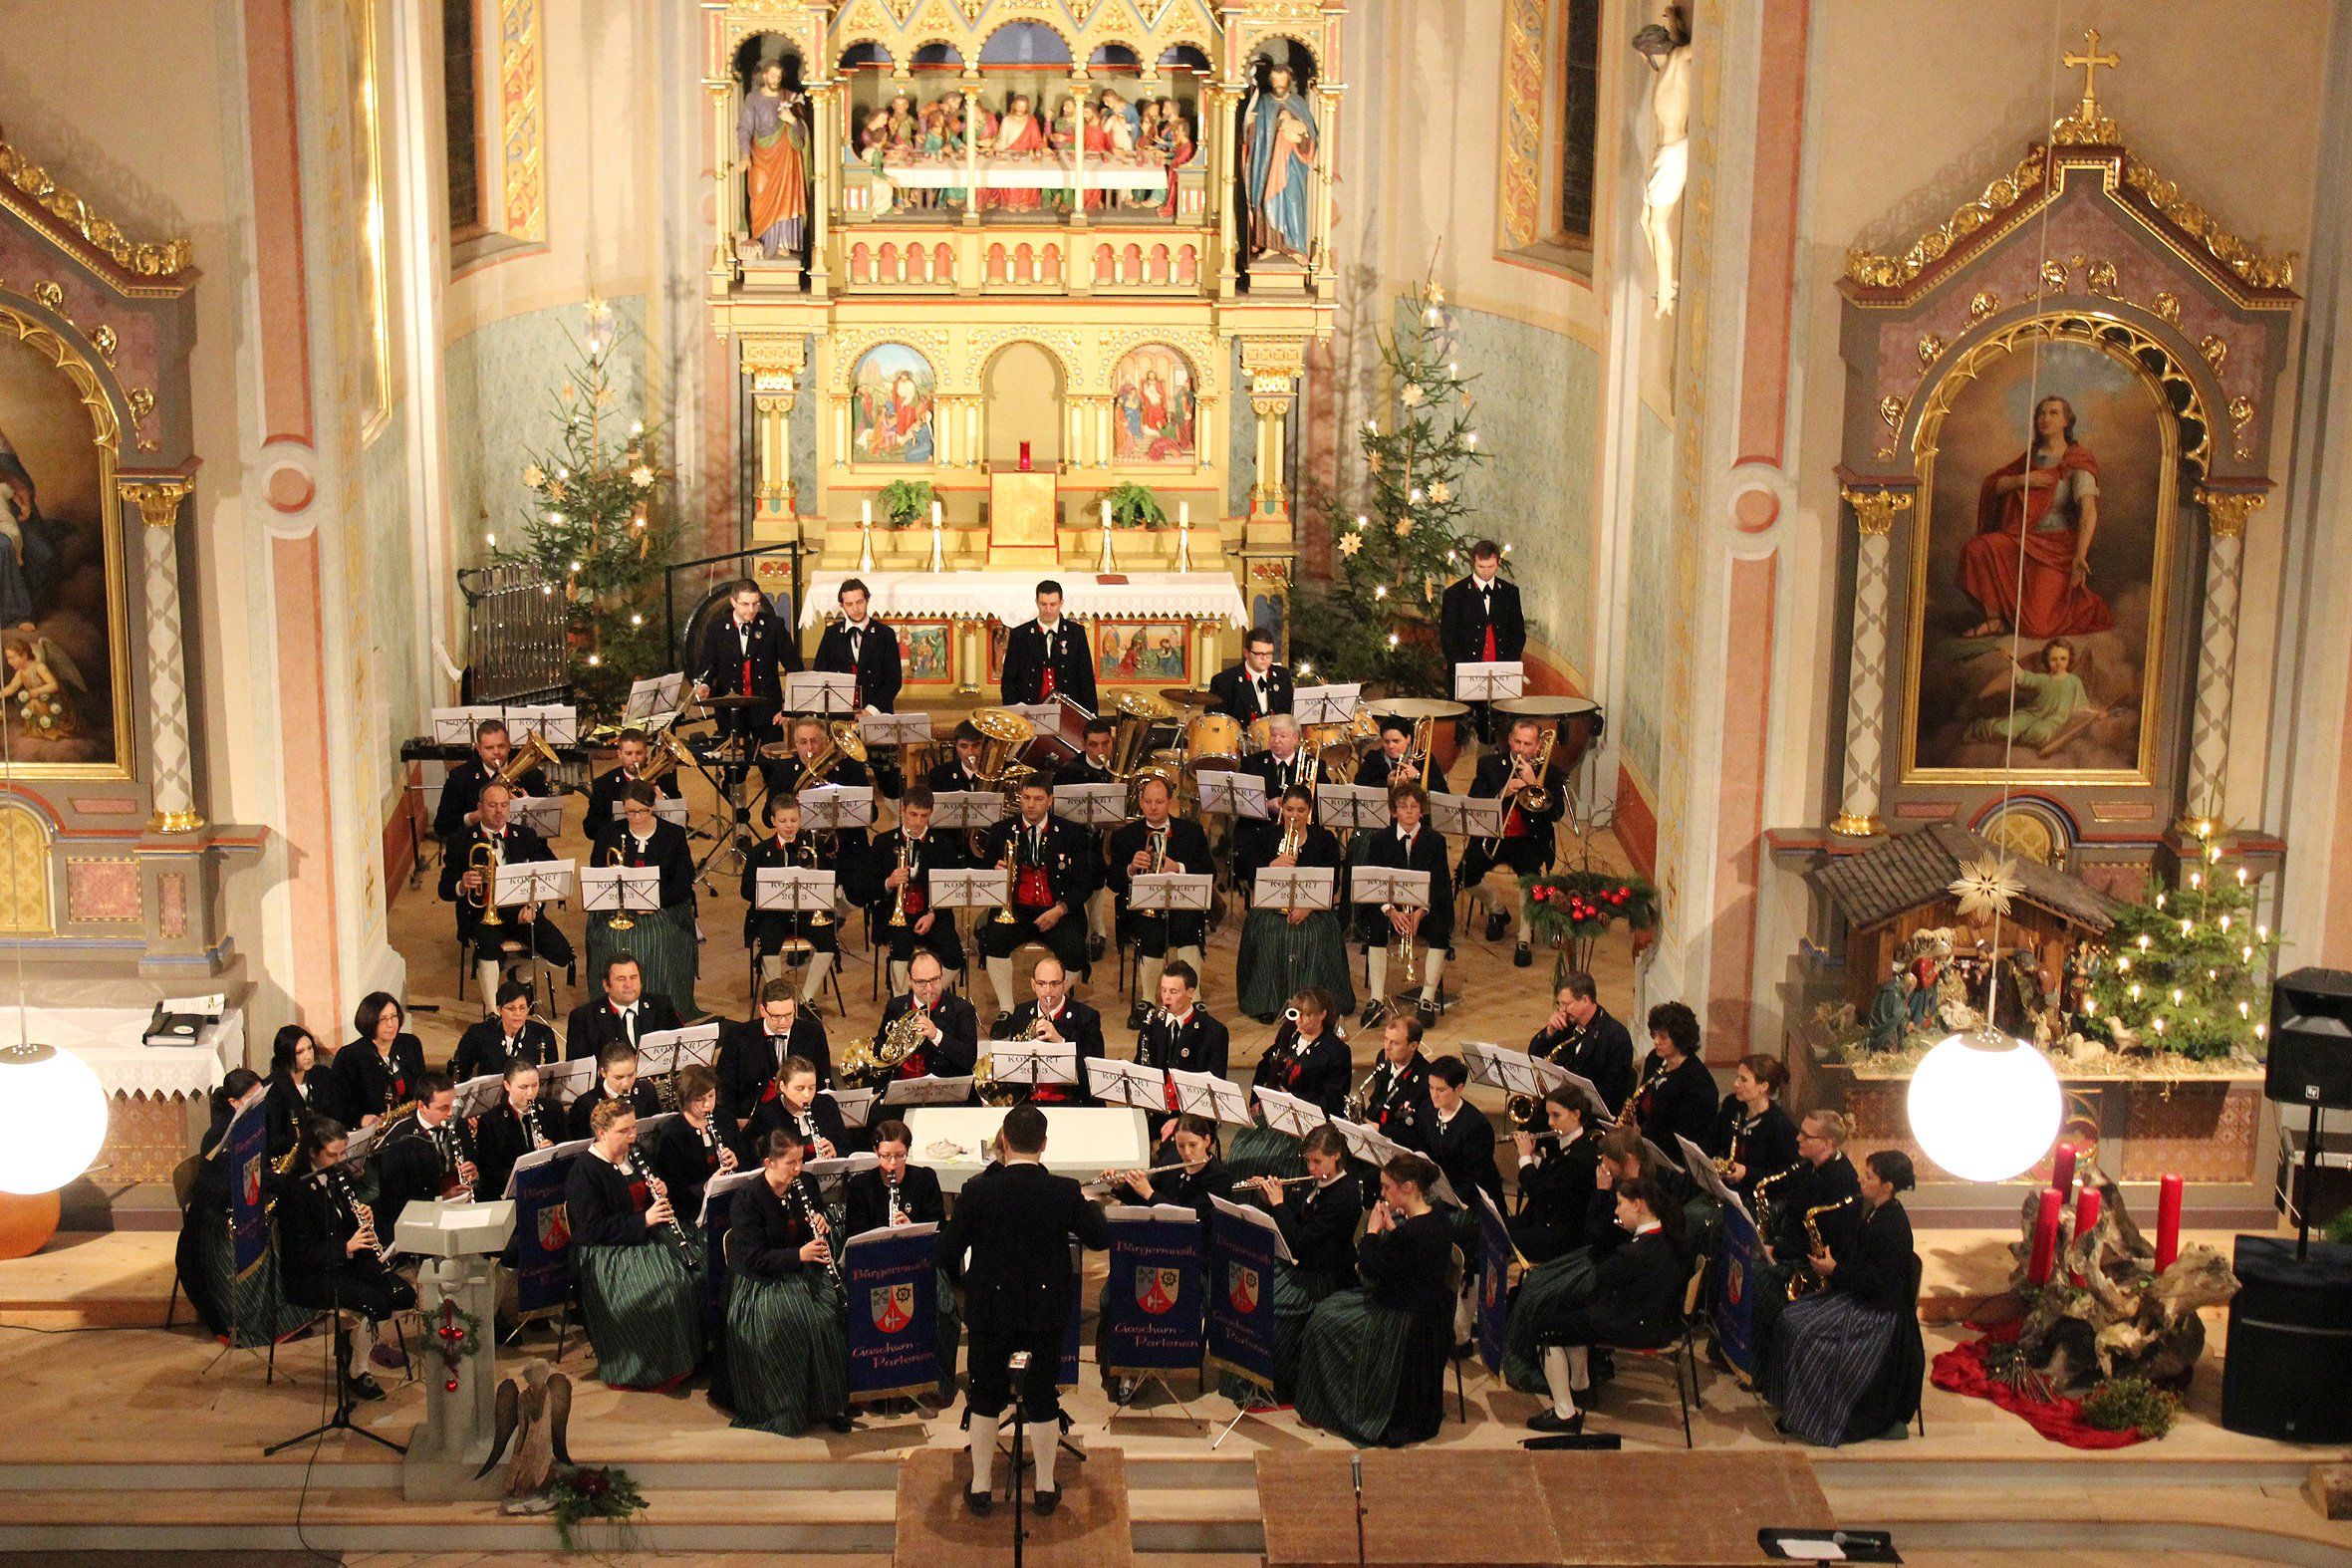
(2168, 1221)
(865, 536)
(2062, 1169)
(938, 541)
(1183, 536)
(2045, 1239)
(1106, 565)
(2086, 1221)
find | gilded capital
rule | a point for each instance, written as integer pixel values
(1875, 510)
(2227, 510)
(158, 499)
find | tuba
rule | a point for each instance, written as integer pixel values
(669, 755)
(1134, 716)
(532, 752)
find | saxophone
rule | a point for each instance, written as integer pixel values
(1765, 1212)
(1803, 1280)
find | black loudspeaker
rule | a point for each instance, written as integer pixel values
(2311, 1039)
(2288, 1361)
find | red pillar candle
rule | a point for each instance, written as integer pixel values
(2062, 1169)
(1024, 458)
(2045, 1239)
(2086, 1221)
(2168, 1223)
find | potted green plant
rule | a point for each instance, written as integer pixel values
(906, 504)
(1133, 506)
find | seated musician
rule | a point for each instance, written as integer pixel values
(1372, 1360)
(1193, 1176)
(1525, 847)
(1157, 840)
(518, 1124)
(786, 1350)
(1823, 1179)
(1255, 689)
(1319, 1214)
(799, 1109)
(640, 1284)
(1460, 1140)
(1551, 1288)
(1308, 1058)
(508, 1034)
(862, 645)
(470, 868)
(634, 749)
(808, 768)
(1556, 1169)
(461, 792)
(1049, 656)
(1391, 762)
(1845, 1363)
(1396, 1094)
(1753, 1138)
(1636, 1301)
(743, 656)
(897, 1192)
(378, 1071)
(893, 883)
(751, 1054)
(330, 1253)
(950, 1036)
(1051, 862)
(624, 1015)
(1283, 950)
(693, 1146)
(249, 1310)
(301, 1086)
(960, 773)
(663, 939)
(616, 1079)
(1180, 1034)
(789, 846)
(426, 1155)
(1278, 767)
(1052, 1014)
(1092, 765)
(1408, 844)
(1674, 1095)
(1583, 1037)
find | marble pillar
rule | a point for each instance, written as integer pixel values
(1875, 511)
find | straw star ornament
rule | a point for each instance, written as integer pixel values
(1985, 886)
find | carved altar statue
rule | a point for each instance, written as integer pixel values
(1666, 47)
(772, 139)
(1278, 152)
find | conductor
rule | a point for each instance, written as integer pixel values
(1017, 1220)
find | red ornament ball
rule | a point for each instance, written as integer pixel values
(451, 1385)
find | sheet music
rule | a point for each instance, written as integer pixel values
(1261, 1219)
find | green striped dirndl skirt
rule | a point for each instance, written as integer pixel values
(1260, 1151)
(643, 1311)
(664, 946)
(1279, 959)
(258, 1312)
(1296, 1295)
(788, 1351)
(1350, 1362)
(1545, 1291)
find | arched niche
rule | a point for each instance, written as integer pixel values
(1024, 385)
(760, 50)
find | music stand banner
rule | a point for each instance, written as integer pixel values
(1734, 1305)
(1241, 1269)
(1151, 1310)
(542, 1237)
(894, 1318)
(1494, 1268)
(248, 1154)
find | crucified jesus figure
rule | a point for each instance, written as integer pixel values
(1666, 47)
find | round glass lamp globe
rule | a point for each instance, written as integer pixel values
(1985, 1105)
(52, 1117)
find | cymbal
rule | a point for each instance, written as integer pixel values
(1421, 707)
(726, 699)
(1189, 696)
(1544, 707)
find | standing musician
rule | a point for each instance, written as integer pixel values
(1049, 656)
(1255, 689)
(1278, 767)
(798, 1109)
(1480, 622)
(693, 1146)
(492, 841)
(640, 1284)
(789, 846)
(1525, 847)
(1157, 840)
(429, 1154)
(1753, 1138)
(665, 938)
(330, 1253)
(960, 773)
(1052, 871)
(513, 1127)
(862, 646)
(952, 1031)
(1408, 844)
(1053, 1014)
(624, 1015)
(1358, 1342)
(1676, 1094)
(1308, 1058)
(893, 883)
(1396, 1093)
(378, 1071)
(1318, 1219)
(752, 1053)
(1391, 762)
(744, 654)
(1015, 1226)
(509, 1034)
(635, 748)
(786, 1348)
(1092, 765)
(299, 1087)
(616, 1079)
(1582, 1036)
(1555, 1179)
(461, 792)
(1283, 950)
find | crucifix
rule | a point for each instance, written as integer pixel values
(2090, 59)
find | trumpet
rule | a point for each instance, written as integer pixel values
(482, 860)
(618, 920)
(899, 904)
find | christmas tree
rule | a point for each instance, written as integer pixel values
(590, 527)
(2183, 970)
(1375, 619)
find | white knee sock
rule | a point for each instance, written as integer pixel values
(1559, 1376)
(487, 976)
(1190, 956)
(984, 1447)
(1433, 969)
(1099, 913)
(1148, 979)
(1375, 972)
(820, 966)
(771, 967)
(1045, 1438)
(1000, 975)
(1466, 1308)
(899, 971)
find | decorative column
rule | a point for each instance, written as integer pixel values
(1271, 391)
(2226, 513)
(727, 177)
(826, 100)
(774, 365)
(1221, 186)
(1875, 511)
(173, 782)
(1323, 213)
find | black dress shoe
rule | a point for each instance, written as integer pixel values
(1374, 1011)
(979, 1502)
(839, 1422)
(1002, 1027)
(1428, 1015)
(1136, 1014)
(1548, 1422)
(1048, 1501)
(360, 1386)
(1524, 956)
(1496, 925)
(1094, 948)
(1264, 1019)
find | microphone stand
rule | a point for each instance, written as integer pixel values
(340, 1357)
(1019, 1367)
(1355, 1472)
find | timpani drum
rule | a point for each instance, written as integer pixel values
(1579, 722)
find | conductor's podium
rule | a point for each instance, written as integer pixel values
(1081, 1141)
(460, 1242)
(1091, 1530)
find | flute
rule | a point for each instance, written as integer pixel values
(1108, 1182)
(1243, 1187)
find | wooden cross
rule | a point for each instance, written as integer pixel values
(2090, 59)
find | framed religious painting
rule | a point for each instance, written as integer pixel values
(2041, 556)
(63, 653)
(1154, 407)
(890, 408)
(926, 653)
(1155, 653)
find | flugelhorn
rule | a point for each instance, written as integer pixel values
(482, 860)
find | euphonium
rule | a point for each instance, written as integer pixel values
(532, 752)
(482, 857)
(670, 754)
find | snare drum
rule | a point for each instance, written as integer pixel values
(1212, 741)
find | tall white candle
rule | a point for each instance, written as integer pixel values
(866, 513)
(935, 514)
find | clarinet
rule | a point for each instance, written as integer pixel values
(362, 1217)
(892, 1208)
(674, 1232)
(808, 1217)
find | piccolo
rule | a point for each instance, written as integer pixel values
(1108, 1181)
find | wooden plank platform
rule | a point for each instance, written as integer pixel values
(1089, 1530)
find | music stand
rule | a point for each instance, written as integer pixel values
(827, 694)
(454, 727)
(927, 1090)
(619, 891)
(1466, 816)
(855, 1105)
(532, 882)
(975, 888)
(1664, 1160)
(480, 1096)
(1047, 716)
(1289, 1114)
(1233, 793)
(1289, 887)
(880, 730)
(565, 1081)
(1330, 704)
(840, 1166)
(1389, 885)
(1257, 1398)
(1131, 1084)
(1170, 892)
(542, 814)
(338, 1347)
(1702, 1168)
(832, 808)
(721, 1184)
(1090, 805)
(558, 724)
(1034, 1062)
(657, 1054)
(795, 889)
(1347, 807)
(1205, 1093)
(966, 810)
(653, 702)
(1376, 1149)
(1513, 1072)
(1497, 682)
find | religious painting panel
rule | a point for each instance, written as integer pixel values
(64, 684)
(926, 653)
(890, 395)
(1157, 404)
(1148, 652)
(2039, 564)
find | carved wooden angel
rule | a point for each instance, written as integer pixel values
(534, 1408)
